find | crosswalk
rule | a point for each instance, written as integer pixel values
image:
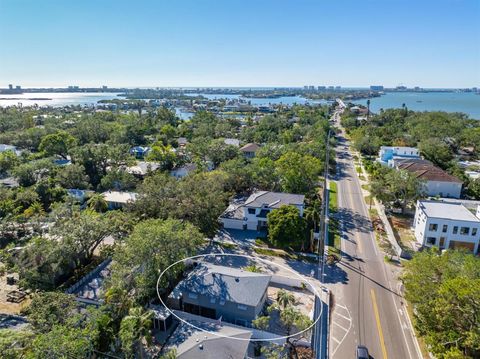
(341, 324)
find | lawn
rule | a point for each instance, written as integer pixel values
(334, 239)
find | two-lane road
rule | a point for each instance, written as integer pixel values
(367, 309)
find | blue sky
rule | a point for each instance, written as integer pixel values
(240, 42)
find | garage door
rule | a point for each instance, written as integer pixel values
(459, 245)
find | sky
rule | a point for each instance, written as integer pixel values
(244, 43)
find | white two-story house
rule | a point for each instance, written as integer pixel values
(251, 213)
(447, 225)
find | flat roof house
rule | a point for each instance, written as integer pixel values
(116, 199)
(251, 213)
(387, 154)
(447, 225)
(217, 292)
(250, 150)
(437, 181)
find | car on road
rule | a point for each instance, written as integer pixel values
(362, 352)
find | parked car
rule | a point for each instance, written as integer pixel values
(362, 352)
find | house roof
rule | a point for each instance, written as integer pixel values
(250, 147)
(119, 197)
(426, 170)
(273, 199)
(193, 343)
(225, 283)
(142, 168)
(447, 210)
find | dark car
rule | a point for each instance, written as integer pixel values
(362, 352)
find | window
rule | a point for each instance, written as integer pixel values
(444, 228)
(212, 300)
(455, 230)
(242, 307)
(474, 231)
(433, 227)
(251, 211)
(464, 230)
(222, 302)
(431, 240)
(192, 295)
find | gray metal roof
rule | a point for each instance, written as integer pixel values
(274, 199)
(444, 210)
(225, 283)
(191, 343)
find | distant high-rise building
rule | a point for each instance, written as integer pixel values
(305, 87)
(376, 88)
(331, 87)
(10, 86)
(311, 88)
(321, 88)
(18, 87)
(338, 87)
(104, 87)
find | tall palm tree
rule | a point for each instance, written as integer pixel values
(97, 203)
(368, 109)
(285, 298)
(134, 328)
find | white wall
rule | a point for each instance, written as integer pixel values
(422, 231)
(443, 189)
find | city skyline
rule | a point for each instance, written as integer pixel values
(240, 44)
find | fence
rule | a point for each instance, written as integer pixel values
(88, 277)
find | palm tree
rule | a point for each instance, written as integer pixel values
(368, 109)
(97, 203)
(405, 110)
(134, 328)
(285, 298)
(312, 216)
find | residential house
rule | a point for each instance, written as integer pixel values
(217, 292)
(251, 213)
(184, 170)
(387, 154)
(232, 142)
(182, 142)
(447, 225)
(208, 339)
(142, 168)
(250, 150)
(437, 181)
(14, 149)
(140, 151)
(117, 200)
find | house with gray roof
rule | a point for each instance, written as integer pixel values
(251, 213)
(223, 293)
(208, 339)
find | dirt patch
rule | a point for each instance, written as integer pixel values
(7, 307)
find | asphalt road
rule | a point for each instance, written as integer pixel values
(367, 307)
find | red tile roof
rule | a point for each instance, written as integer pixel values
(426, 170)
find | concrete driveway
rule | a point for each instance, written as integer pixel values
(239, 237)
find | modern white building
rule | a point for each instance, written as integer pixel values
(251, 213)
(388, 154)
(447, 225)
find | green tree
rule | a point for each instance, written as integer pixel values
(58, 143)
(49, 309)
(135, 328)
(97, 203)
(73, 176)
(63, 341)
(286, 228)
(8, 160)
(298, 174)
(397, 188)
(437, 151)
(152, 246)
(445, 293)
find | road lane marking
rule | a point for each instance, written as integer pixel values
(379, 326)
(344, 317)
(338, 325)
(336, 340)
(346, 333)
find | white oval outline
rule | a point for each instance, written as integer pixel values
(317, 295)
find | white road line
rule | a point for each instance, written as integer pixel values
(341, 306)
(346, 333)
(338, 325)
(344, 317)
(336, 340)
